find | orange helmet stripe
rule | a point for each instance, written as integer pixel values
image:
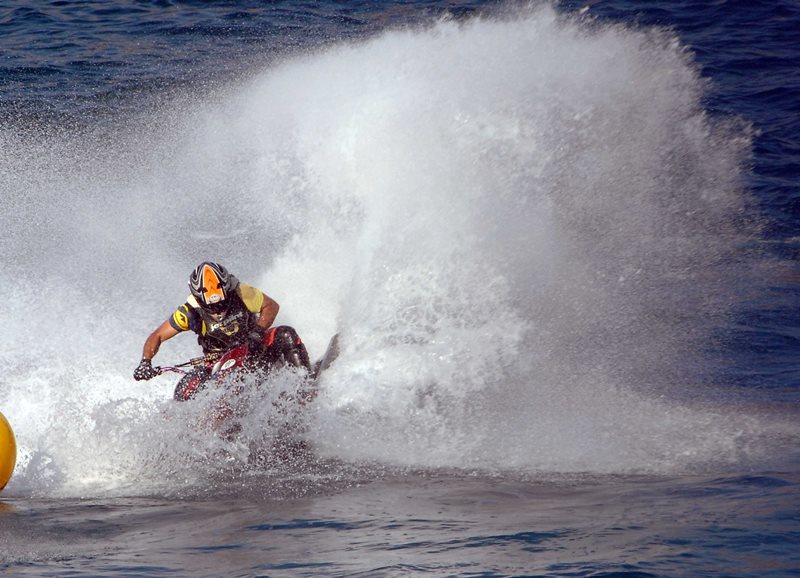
(213, 292)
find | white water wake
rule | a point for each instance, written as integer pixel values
(525, 229)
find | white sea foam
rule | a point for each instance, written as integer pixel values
(524, 230)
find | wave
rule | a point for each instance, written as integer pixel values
(526, 229)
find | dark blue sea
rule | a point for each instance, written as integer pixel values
(558, 242)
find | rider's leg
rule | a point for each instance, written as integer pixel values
(283, 343)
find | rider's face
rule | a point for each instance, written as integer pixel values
(218, 309)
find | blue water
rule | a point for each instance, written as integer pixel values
(559, 243)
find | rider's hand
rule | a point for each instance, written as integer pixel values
(255, 340)
(145, 370)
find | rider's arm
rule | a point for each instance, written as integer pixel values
(268, 312)
(165, 331)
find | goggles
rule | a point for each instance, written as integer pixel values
(218, 308)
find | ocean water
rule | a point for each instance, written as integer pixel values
(558, 243)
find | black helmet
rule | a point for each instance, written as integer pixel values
(211, 283)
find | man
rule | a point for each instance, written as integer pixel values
(224, 313)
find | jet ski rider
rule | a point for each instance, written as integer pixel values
(224, 313)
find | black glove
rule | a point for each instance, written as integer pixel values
(145, 370)
(255, 341)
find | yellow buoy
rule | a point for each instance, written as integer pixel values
(8, 451)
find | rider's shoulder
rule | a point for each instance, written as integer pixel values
(247, 291)
(184, 317)
(250, 296)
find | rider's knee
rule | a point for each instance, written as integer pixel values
(287, 344)
(286, 337)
